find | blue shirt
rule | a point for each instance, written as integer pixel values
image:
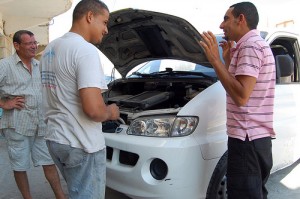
(16, 80)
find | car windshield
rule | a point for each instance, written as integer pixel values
(168, 66)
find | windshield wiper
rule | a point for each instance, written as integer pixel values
(141, 74)
(173, 73)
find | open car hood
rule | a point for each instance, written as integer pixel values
(136, 36)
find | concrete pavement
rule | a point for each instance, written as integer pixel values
(282, 184)
(40, 188)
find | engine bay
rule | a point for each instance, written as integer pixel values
(137, 98)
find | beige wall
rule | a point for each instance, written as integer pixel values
(6, 48)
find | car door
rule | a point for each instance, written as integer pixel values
(286, 146)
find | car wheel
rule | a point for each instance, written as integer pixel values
(217, 188)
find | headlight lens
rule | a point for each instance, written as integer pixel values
(163, 126)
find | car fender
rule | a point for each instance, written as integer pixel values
(210, 107)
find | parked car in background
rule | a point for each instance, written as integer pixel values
(171, 140)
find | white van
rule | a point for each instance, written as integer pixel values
(171, 140)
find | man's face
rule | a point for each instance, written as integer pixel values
(99, 26)
(27, 47)
(229, 25)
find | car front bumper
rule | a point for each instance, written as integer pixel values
(154, 167)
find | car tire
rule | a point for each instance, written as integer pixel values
(217, 188)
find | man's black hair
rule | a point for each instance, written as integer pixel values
(84, 6)
(18, 34)
(249, 10)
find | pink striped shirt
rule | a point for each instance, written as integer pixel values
(252, 56)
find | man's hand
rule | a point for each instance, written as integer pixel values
(114, 110)
(211, 47)
(226, 46)
(14, 103)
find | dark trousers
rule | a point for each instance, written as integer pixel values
(249, 166)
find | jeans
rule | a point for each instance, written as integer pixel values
(85, 173)
(249, 166)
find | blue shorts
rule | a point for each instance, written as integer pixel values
(85, 173)
(20, 148)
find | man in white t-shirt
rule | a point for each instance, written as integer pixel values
(73, 81)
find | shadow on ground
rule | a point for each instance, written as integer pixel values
(285, 183)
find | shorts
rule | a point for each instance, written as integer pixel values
(85, 173)
(21, 148)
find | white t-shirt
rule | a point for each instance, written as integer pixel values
(68, 64)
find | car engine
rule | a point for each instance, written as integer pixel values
(137, 98)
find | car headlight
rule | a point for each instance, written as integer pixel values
(163, 126)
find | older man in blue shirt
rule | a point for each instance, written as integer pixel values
(22, 123)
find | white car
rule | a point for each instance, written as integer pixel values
(171, 142)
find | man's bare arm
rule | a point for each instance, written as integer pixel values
(240, 87)
(94, 106)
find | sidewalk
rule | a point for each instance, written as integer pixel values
(40, 187)
(282, 184)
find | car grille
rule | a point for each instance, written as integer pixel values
(125, 157)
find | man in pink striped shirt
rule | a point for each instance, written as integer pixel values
(248, 77)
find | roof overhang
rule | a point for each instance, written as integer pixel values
(33, 15)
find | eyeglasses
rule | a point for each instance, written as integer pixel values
(30, 43)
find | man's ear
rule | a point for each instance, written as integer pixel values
(89, 16)
(16, 45)
(242, 18)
